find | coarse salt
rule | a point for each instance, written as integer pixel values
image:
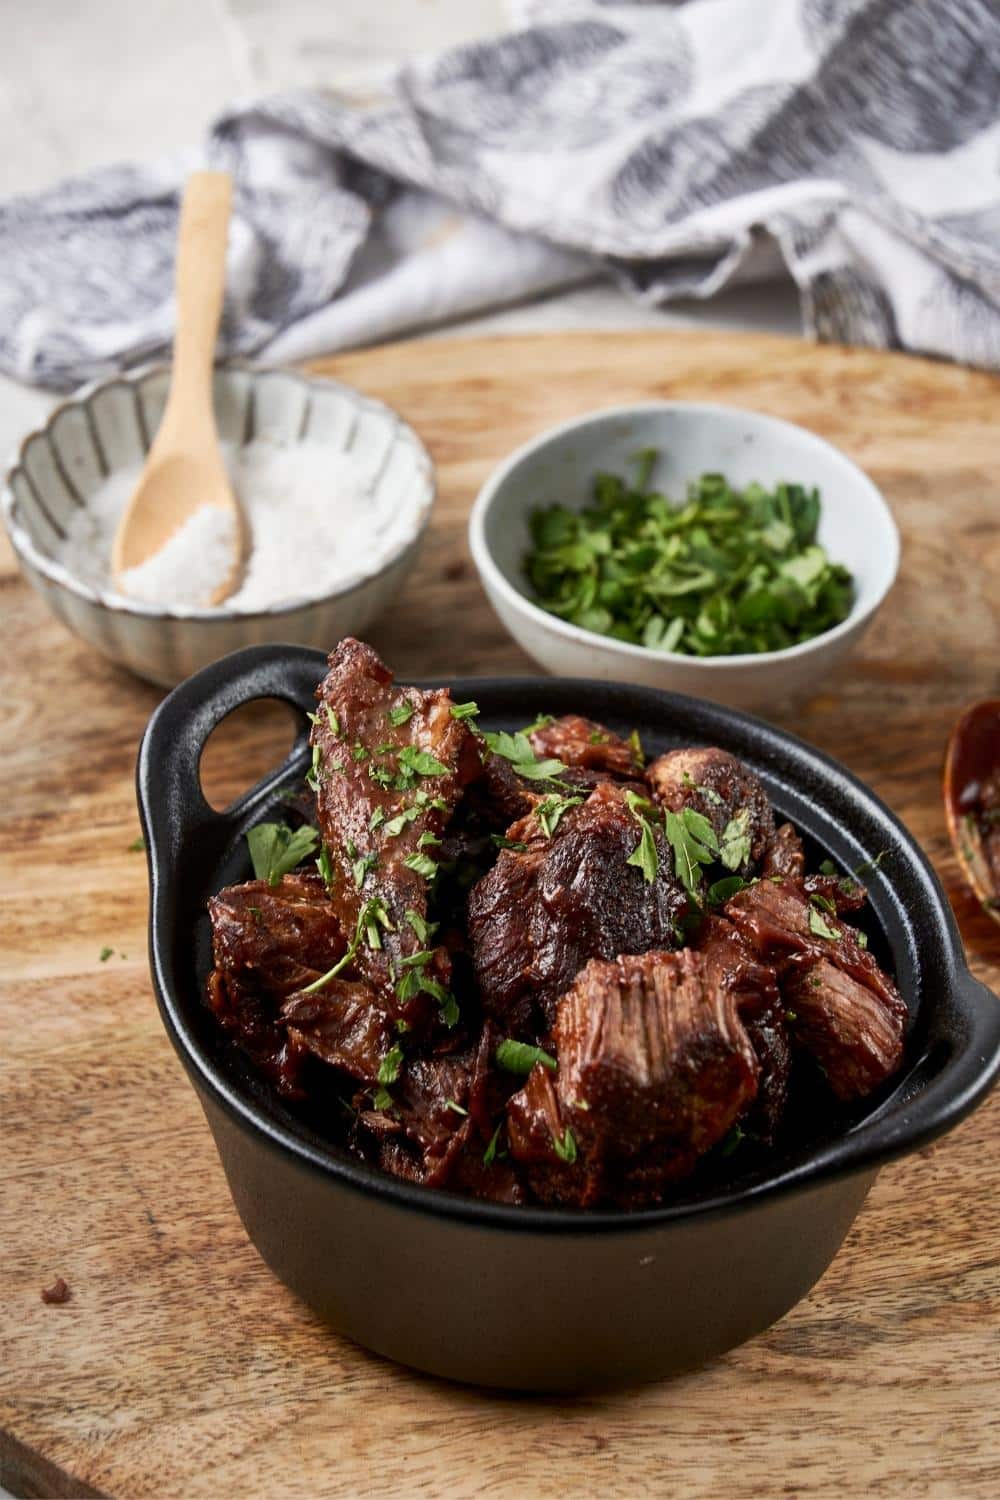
(311, 520)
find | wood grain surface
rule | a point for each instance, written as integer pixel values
(180, 1366)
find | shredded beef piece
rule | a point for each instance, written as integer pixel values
(841, 1007)
(730, 962)
(654, 1068)
(344, 1024)
(267, 942)
(784, 854)
(585, 745)
(539, 915)
(364, 778)
(720, 787)
(57, 1293)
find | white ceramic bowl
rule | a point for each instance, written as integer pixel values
(856, 528)
(109, 426)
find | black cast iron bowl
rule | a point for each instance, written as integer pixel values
(545, 1298)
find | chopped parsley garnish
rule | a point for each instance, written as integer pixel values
(422, 864)
(332, 720)
(727, 571)
(377, 819)
(565, 1148)
(361, 867)
(324, 865)
(539, 723)
(720, 891)
(105, 954)
(420, 925)
(381, 1099)
(420, 762)
(449, 1011)
(550, 810)
(733, 1140)
(821, 928)
(521, 1057)
(380, 774)
(870, 865)
(861, 938)
(390, 1065)
(396, 825)
(596, 737)
(275, 849)
(828, 867)
(401, 714)
(686, 835)
(517, 749)
(359, 752)
(464, 710)
(427, 840)
(505, 843)
(734, 849)
(371, 917)
(455, 1108)
(638, 754)
(644, 854)
(490, 1154)
(312, 775)
(823, 903)
(136, 845)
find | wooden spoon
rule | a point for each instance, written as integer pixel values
(184, 469)
(972, 800)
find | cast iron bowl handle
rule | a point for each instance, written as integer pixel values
(172, 805)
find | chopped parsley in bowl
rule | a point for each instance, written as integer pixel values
(724, 572)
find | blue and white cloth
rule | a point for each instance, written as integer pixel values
(664, 144)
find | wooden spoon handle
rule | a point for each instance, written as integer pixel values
(201, 282)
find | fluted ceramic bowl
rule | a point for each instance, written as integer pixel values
(109, 426)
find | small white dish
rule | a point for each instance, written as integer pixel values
(856, 528)
(109, 426)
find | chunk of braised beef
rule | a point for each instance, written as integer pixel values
(720, 787)
(654, 1068)
(784, 854)
(503, 797)
(584, 744)
(344, 1024)
(730, 962)
(267, 942)
(544, 910)
(390, 765)
(853, 1025)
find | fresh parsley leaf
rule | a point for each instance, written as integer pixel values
(690, 854)
(733, 1140)
(819, 926)
(701, 829)
(721, 890)
(517, 749)
(381, 1099)
(401, 714)
(550, 810)
(105, 954)
(734, 849)
(361, 867)
(464, 710)
(396, 825)
(275, 849)
(644, 855)
(565, 1148)
(421, 762)
(861, 938)
(332, 720)
(539, 723)
(377, 819)
(521, 1057)
(823, 903)
(596, 737)
(828, 867)
(490, 1154)
(422, 864)
(371, 917)
(359, 752)
(638, 754)
(870, 865)
(427, 840)
(312, 775)
(449, 1011)
(505, 843)
(324, 865)
(455, 1108)
(420, 925)
(136, 845)
(390, 1065)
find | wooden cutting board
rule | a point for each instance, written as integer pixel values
(181, 1366)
